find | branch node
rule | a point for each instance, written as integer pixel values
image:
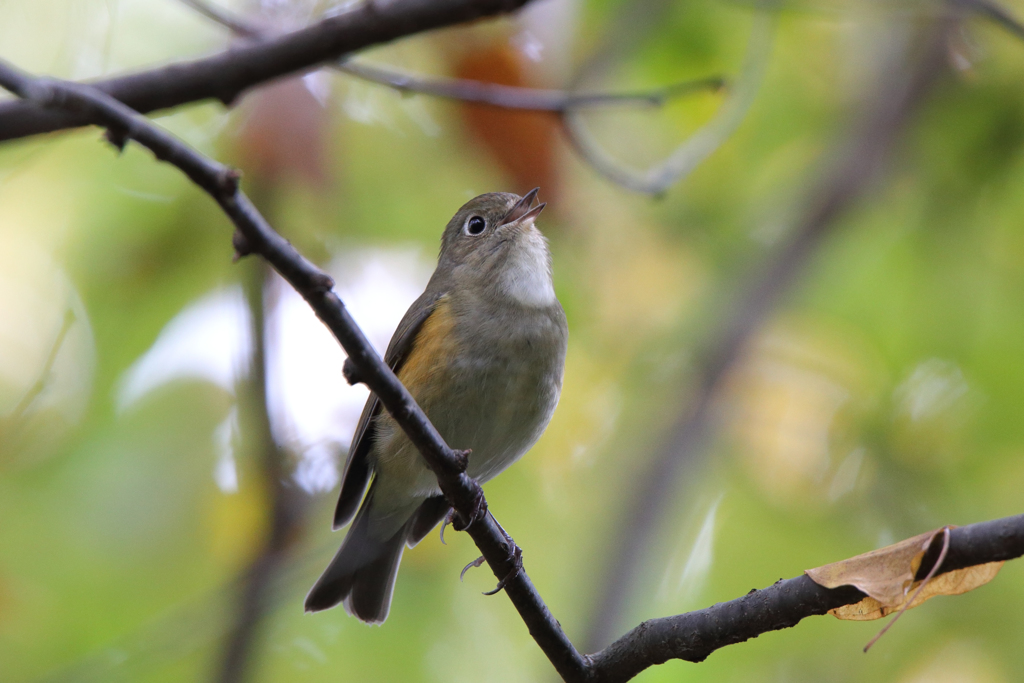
(228, 180)
(321, 282)
(241, 244)
(118, 137)
(353, 375)
(461, 459)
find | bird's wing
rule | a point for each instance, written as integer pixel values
(357, 467)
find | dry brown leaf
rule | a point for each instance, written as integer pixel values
(887, 576)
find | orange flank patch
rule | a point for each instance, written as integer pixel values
(431, 353)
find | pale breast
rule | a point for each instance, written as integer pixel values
(489, 381)
(511, 376)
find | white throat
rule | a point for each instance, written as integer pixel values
(527, 273)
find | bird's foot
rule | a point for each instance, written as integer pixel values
(515, 555)
(517, 566)
(478, 510)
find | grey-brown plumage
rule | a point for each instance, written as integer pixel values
(482, 351)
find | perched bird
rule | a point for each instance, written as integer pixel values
(482, 351)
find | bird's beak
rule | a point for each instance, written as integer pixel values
(530, 216)
(522, 209)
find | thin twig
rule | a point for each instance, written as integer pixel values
(224, 18)
(527, 99)
(701, 144)
(567, 103)
(478, 92)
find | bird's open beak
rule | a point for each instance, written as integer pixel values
(521, 211)
(530, 216)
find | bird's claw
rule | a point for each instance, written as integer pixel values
(517, 566)
(515, 554)
(448, 519)
(475, 563)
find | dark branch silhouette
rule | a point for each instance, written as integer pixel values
(690, 636)
(694, 636)
(476, 92)
(994, 12)
(253, 235)
(226, 75)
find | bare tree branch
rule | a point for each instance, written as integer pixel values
(858, 161)
(226, 75)
(695, 635)
(691, 636)
(566, 103)
(513, 97)
(254, 235)
(477, 92)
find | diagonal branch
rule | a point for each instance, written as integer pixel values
(690, 637)
(226, 75)
(255, 235)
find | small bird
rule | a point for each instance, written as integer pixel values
(482, 351)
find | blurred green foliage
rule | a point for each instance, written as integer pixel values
(882, 400)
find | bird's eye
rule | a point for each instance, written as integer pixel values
(475, 225)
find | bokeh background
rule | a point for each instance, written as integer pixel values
(142, 471)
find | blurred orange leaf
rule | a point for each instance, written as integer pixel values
(521, 143)
(887, 576)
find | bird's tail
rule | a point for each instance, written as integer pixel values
(362, 573)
